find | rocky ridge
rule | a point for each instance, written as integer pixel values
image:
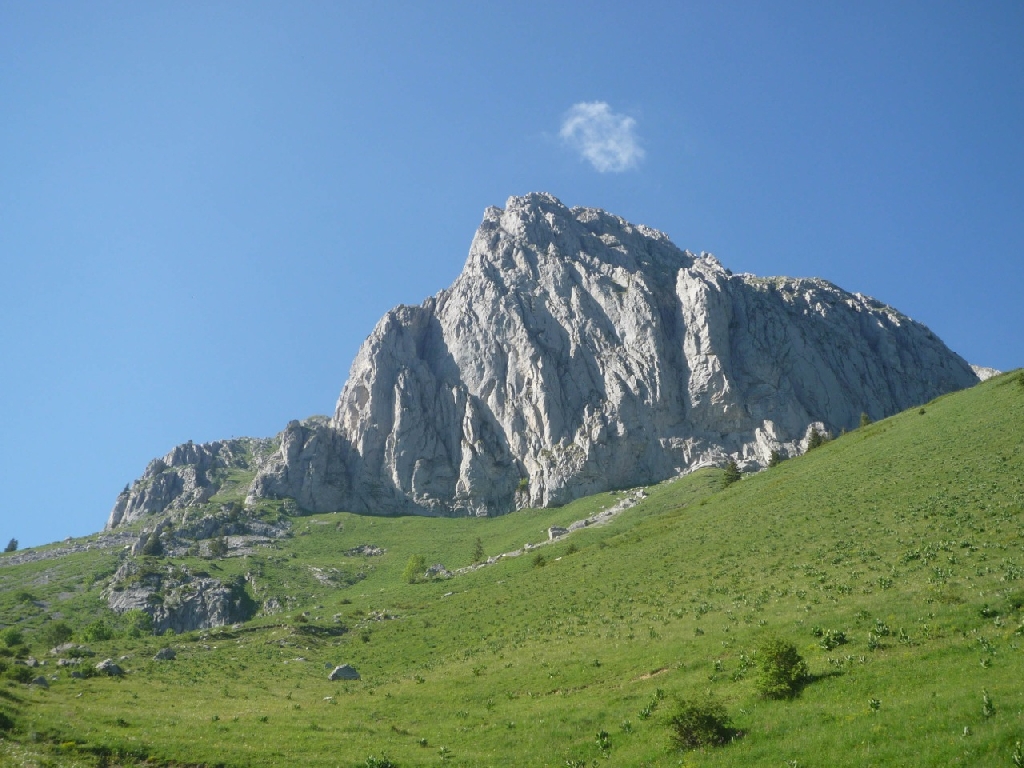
(575, 353)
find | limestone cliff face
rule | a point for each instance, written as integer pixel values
(186, 477)
(576, 353)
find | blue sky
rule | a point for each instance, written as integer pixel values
(205, 207)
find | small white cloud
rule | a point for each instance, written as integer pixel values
(604, 138)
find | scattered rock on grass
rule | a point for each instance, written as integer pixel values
(438, 571)
(109, 667)
(165, 654)
(344, 672)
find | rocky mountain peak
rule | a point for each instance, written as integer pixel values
(577, 352)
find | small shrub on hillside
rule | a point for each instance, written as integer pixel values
(478, 551)
(539, 561)
(865, 420)
(153, 547)
(12, 545)
(21, 673)
(782, 669)
(775, 459)
(218, 547)
(732, 474)
(414, 569)
(830, 638)
(817, 439)
(988, 709)
(11, 637)
(96, 632)
(137, 623)
(55, 633)
(700, 724)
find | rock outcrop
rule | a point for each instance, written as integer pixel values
(578, 353)
(175, 598)
(187, 476)
(983, 373)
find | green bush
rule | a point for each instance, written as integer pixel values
(12, 636)
(732, 474)
(153, 547)
(137, 623)
(96, 632)
(782, 669)
(21, 673)
(12, 545)
(218, 547)
(55, 633)
(700, 724)
(865, 420)
(414, 569)
(775, 459)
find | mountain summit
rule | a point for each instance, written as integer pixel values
(577, 353)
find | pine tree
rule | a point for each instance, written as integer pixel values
(775, 459)
(732, 473)
(816, 439)
(865, 420)
(478, 551)
(12, 545)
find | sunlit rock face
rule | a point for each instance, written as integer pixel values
(578, 352)
(575, 353)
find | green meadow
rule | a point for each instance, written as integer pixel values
(891, 557)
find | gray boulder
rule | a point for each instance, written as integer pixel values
(40, 681)
(344, 672)
(109, 667)
(165, 654)
(437, 571)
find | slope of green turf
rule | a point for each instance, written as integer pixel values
(905, 535)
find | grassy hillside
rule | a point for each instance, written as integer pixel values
(905, 536)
